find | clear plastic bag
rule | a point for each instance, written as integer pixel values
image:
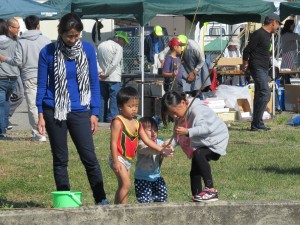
(231, 93)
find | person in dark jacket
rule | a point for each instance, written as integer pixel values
(256, 58)
(154, 44)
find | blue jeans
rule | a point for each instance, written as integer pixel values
(17, 96)
(108, 100)
(262, 95)
(6, 89)
(79, 127)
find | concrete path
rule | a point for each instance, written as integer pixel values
(20, 119)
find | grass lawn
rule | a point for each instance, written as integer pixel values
(260, 165)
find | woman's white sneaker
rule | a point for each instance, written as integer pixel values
(40, 138)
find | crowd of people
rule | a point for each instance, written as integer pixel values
(70, 86)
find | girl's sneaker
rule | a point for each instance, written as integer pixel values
(206, 196)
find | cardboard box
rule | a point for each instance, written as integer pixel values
(244, 105)
(230, 61)
(291, 96)
(269, 107)
(244, 112)
(228, 116)
(215, 104)
(220, 110)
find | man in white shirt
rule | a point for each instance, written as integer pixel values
(110, 55)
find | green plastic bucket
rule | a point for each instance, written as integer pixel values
(66, 199)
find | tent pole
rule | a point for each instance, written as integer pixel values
(96, 36)
(221, 39)
(278, 44)
(142, 68)
(273, 73)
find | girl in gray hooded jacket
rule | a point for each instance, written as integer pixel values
(202, 135)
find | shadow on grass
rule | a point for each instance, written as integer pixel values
(15, 138)
(247, 129)
(6, 204)
(22, 138)
(241, 143)
(277, 170)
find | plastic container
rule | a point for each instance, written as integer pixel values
(278, 82)
(281, 99)
(66, 199)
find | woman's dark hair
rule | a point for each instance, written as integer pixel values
(3, 27)
(125, 94)
(147, 120)
(99, 27)
(170, 98)
(287, 28)
(31, 22)
(68, 22)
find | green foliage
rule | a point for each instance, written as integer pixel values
(258, 166)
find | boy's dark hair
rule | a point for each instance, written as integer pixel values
(148, 120)
(125, 94)
(170, 98)
(31, 22)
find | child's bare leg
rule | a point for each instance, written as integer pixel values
(122, 193)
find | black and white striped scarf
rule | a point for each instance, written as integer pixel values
(62, 99)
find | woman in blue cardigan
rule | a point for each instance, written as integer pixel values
(68, 99)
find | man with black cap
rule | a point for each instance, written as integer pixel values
(256, 58)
